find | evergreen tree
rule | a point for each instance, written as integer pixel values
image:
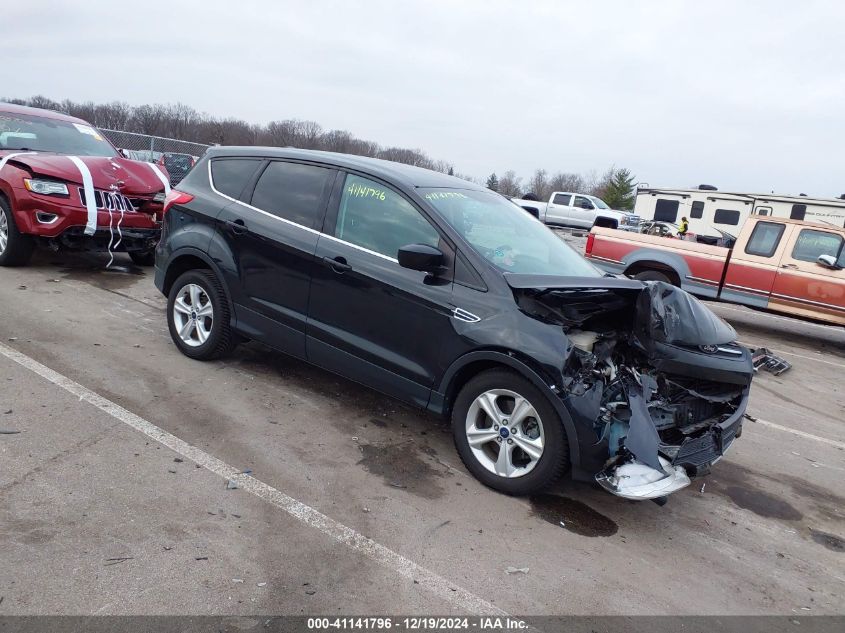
(493, 182)
(619, 190)
(451, 171)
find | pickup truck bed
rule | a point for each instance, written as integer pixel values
(773, 265)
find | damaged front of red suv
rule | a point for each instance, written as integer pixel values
(66, 186)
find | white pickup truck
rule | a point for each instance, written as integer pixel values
(579, 210)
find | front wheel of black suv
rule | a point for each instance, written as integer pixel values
(508, 434)
(198, 316)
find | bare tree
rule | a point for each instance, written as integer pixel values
(509, 185)
(338, 141)
(567, 182)
(539, 185)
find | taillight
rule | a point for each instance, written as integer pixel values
(590, 239)
(175, 197)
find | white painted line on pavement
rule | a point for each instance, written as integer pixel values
(809, 436)
(439, 586)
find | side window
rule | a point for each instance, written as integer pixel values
(763, 211)
(562, 198)
(583, 203)
(230, 175)
(726, 216)
(293, 192)
(697, 210)
(764, 239)
(810, 244)
(666, 210)
(379, 219)
(799, 211)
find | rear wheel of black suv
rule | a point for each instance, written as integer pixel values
(15, 247)
(198, 316)
(508, 434)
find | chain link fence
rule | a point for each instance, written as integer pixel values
(150, 148)
(177, 156)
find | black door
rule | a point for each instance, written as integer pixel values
(368, 318)
(273, 238)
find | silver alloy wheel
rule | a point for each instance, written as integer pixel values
(193, 315)
(4, 232)
(505, 433)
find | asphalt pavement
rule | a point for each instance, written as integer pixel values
(138, 481)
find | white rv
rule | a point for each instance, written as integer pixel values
(707, 208)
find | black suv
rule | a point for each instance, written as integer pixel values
(446, 295)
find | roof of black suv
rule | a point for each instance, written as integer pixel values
(407, 175)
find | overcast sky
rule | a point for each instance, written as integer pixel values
(743, 95)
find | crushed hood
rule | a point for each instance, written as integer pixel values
(667, 314)
(655, 311)
(519, 281)
(132, 177)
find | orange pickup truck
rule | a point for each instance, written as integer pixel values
(787, 266)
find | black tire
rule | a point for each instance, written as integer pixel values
(143, 258)
(221, 339)
(19, 247)
(653, 275)
(553, 462)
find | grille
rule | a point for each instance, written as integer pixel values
(108, 200)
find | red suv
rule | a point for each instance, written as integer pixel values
(64, 185)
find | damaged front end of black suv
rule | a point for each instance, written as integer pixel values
(652, 376)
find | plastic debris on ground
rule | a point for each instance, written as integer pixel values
(516, 570)
(764, 358)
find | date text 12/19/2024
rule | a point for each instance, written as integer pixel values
(423, 623)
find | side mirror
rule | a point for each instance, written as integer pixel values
(421, 257)
(124, 152)
(828, 261)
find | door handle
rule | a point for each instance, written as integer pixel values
(337, 264)
(791, 266)
(238, 227)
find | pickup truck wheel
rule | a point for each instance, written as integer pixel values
(15, 247)
(508, 434)
(652, 275)
(198, 316)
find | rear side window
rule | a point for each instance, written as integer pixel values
(799, 212)
(666, 210)
(293, 191)
(764, 239)
(697, 210)
(562, 198)
(810, 244)
(379, 219)
(231, 175)
(726, 216)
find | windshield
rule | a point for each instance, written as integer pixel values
(507, 235)
(35, 133)
(601, 204)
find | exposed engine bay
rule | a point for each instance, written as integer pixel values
(658, 376)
